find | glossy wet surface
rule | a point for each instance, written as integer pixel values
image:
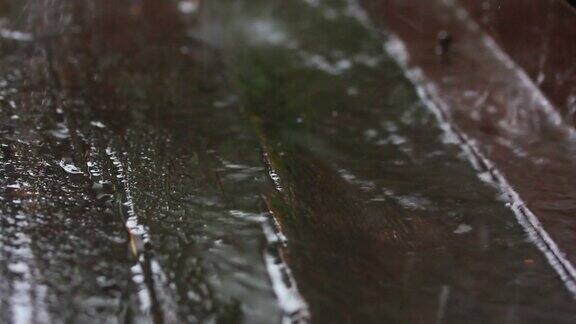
(148, 146)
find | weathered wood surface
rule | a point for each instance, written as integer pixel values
(539, 37)
(145, 144)
(120, 178)
(505, 120)
(390, 224)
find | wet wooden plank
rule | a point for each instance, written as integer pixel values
(121, 201)
(345, 137)
(504, 121)
(539, 37)
(133, 189)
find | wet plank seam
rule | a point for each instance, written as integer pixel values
(148, 275)
(547, 106)
(293, 305)
(526, 218)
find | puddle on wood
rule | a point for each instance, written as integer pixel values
(146, 148)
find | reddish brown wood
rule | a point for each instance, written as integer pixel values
(541, 37)
(480, 89)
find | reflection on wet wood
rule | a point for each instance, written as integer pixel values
(115, 196)
(329, 226)
(330, 138)
(132, 180)
(334, 207)
(539, 37)
(504, 120)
